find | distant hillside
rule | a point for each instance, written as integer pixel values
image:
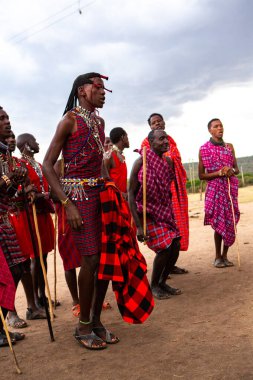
(244, 163)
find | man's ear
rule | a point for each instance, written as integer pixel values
(81, 91)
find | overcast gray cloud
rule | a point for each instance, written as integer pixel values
(160, 55)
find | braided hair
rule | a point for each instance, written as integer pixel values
(78, 82)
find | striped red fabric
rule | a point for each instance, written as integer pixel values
(9, 243)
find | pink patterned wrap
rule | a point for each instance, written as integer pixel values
(218, 208)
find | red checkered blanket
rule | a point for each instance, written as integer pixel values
(121, 260)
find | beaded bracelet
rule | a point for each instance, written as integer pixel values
(6, 179)
(65, 202)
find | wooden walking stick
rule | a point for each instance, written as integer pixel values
(144, 187)
(55, 245)
(9, 342)
(35, 252)
(235, 228)
(42, 261)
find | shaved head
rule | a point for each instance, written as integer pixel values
(23, 139)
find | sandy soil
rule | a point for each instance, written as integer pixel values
(206, 333)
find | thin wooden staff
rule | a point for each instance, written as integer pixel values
(9, 342)
(34, 245)
(55, 246)
(144, 187)
(42, 262)
(235, 228)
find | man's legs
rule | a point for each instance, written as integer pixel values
(71, 280)
(32, 311)
(218, 262)
(225, 258)
(159, 265)
(99, 296)
(38, 280)
(16, 272)
(86, 284)
(172, 256)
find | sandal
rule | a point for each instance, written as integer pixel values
(177, 270)
(15, 336)
(76, 310)
(4, 341)
(16, 322)
(170, 290)
(40, 303)
(160, 293)
(88, 340)
(219, 263)
(106, 335)
(36, 314)
(228, 263)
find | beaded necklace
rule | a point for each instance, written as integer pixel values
(119, 152)
(35, 165)
(7, 163)
(93, 124)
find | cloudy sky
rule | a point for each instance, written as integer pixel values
(190, 60)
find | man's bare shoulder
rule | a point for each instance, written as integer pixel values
(137, 163)
(69, 118)
(67, 124)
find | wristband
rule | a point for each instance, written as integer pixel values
(6, 179)
(65, 202)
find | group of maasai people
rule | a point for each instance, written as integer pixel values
(100, 218)
(22, 184)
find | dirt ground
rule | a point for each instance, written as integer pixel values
(205, 333)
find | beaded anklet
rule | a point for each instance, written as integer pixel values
(84, 323)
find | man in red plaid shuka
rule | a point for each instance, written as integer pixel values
(163, 235)
(178, 186)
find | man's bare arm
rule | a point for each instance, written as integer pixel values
(66, 126)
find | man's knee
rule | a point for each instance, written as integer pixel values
(90, 262)
(176, 245)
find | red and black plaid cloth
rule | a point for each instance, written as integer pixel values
(121, 260)
(7, 286)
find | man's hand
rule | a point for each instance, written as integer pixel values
(73, 216)
(18, 175)
(227, 171)
(140, 235)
